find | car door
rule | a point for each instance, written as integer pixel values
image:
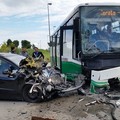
(8, 83)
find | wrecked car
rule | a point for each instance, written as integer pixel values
(20, 79)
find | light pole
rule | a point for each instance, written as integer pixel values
(49, 19)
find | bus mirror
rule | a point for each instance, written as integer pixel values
(76, 24)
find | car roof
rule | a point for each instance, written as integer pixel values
(15, 58)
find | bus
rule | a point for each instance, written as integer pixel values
(88, 43)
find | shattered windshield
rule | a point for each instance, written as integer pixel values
(100, 29)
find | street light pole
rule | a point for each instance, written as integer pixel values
(49, 19)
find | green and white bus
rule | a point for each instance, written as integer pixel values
(89, 39)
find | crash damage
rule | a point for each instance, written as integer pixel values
(48, 83)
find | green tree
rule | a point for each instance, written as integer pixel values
(4, 48)
(16, 43)
(26, 44)
(9, 42)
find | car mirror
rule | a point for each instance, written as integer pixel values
(6, 72)
(9, 73)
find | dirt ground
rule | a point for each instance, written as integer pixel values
(69, 107)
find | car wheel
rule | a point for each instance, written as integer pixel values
(35, 96)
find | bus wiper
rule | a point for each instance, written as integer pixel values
(105, 51)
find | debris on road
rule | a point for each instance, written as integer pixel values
(40, 118)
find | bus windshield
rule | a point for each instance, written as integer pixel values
(100, 29)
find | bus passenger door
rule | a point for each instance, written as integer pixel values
(52, 51)
(66, 36)
(57, 50)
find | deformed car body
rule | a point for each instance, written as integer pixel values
(14, 86)
(18, 80)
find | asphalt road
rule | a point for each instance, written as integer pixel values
(64, 108)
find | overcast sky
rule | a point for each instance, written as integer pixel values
(28, 19)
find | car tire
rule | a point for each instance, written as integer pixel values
(33, 97)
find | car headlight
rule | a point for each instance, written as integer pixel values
(50, 80)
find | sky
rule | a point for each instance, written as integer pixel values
(28, 19)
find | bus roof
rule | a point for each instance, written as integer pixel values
(99, 4)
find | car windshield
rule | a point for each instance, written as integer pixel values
(100, 29)
(15, 58)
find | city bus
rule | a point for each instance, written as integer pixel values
(88, 43)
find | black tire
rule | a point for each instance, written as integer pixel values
(33, 97)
